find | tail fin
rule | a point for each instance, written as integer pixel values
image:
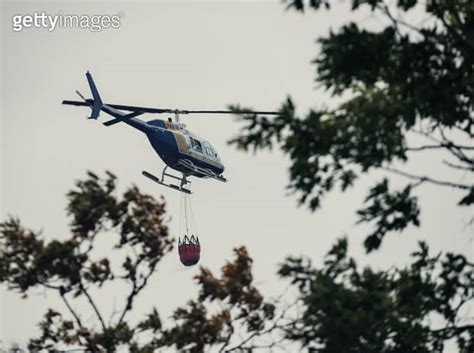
(97, 106)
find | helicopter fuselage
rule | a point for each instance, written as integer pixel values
(178, 147)
(175, 144)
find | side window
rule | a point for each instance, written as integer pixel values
(196, 145)
(214, 153)
(207, 149)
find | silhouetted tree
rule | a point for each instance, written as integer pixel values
(338, 307)
(397, 82)
(68, 267)
(403, 79)
(74, 267)
(417, 308)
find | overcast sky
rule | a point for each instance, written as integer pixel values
(189, 55)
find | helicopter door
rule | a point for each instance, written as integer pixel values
(196, 145)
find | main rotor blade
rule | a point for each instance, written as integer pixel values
(225, 112)
(124, 107)
(170, 111)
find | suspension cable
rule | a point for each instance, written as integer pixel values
(180, 226)
(186, 213)
(193, 222)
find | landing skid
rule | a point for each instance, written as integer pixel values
(206, 172)
(183, 181)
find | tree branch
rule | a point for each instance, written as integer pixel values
(445, 145)
(422, 179)
(456, 149)
(276, 325)
(62, 293)
(451, 147)
(92, 303)
(460, 167)
(397, 21)
(226, 343)
(135, 290)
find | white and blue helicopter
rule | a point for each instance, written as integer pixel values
(178, 147)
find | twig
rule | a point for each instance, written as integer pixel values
(397, 21)
(424, 134)
(62, 293)
(456, 166)
(261, 333)
(92, 303)
(135, 290)
(76, 317)
(444, 145)
(455, 150)
(226, 343)
(428, 179)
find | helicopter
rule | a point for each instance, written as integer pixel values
(179, 148)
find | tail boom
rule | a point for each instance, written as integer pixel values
(96, 104)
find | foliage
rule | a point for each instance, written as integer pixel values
(339, 308)
(242, 309)
(347, 309)
(391, 211)
(399, 81)
(395, 83)
(69, 268)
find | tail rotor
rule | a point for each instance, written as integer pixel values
(96, 103)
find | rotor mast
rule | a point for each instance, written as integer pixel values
(176, 116)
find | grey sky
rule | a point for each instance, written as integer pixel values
(190, 55)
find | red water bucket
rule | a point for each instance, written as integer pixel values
(189, 250)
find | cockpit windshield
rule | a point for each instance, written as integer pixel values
(210, 151)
